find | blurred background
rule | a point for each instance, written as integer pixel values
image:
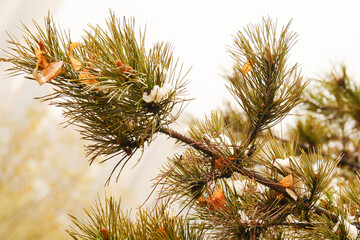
(43, 170)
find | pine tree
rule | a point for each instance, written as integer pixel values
(236, 179)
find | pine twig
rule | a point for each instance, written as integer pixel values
(295, 224)
(195, 144)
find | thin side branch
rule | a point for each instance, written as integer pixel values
(295, 224)
(344, 160)
(195, 144)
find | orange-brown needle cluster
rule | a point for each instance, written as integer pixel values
(215, 202)
(48, 70)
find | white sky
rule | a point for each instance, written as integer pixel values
(329, 33)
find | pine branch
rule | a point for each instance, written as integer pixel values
(121, 96)
(111, 88)
(344, 159)
(249, 173)
(262, 84)
(105, 221)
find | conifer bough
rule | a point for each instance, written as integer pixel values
(238, 181)
(118, 93)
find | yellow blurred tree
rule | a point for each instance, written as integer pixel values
(40, 179)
